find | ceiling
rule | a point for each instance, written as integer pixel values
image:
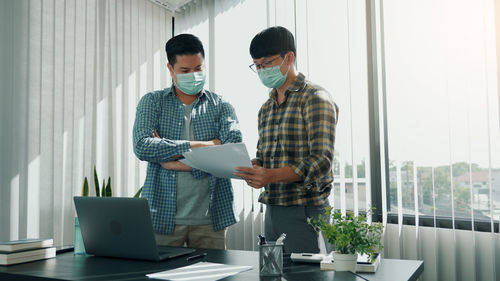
(172, 5)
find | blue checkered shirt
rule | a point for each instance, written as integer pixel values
(212, 118)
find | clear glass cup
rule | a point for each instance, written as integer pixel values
(79, 247)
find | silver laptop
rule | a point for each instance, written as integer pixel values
(121, 227)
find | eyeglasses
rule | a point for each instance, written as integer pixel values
(254, 66)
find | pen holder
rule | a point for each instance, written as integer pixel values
(270, 259)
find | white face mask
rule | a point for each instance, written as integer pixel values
(190, 83)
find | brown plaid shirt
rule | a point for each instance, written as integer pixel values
(299, 133)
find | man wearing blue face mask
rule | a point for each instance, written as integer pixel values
(188, 206)
(296, 143)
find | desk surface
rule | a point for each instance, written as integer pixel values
(66, 266)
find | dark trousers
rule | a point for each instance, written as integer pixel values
(292, 220)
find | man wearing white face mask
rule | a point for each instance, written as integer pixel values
(188, 206)
(296, 143)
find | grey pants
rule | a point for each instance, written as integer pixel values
(292, 220)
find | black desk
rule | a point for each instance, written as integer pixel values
(66, 266)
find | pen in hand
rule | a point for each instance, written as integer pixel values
(196, 256)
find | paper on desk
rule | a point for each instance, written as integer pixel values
(219, 160)
(202, 271)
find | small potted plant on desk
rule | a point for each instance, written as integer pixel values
(351, 235)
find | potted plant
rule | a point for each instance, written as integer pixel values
(106, 188)
(351, 235)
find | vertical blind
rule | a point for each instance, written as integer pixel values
(74, 73)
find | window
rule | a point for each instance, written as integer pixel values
(442, 109)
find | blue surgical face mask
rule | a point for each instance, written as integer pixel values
(190, 83)
(272, 77)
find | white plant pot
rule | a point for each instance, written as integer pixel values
(345, 262)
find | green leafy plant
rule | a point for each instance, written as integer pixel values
(138, 194)
(349, 234)
(85, 187)
(106, 190)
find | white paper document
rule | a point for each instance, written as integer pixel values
(202, 271)
(219, 160)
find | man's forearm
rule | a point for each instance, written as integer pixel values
(176, 166)
(159, 150)
(197, 144)
(283, 174)
(258, 177)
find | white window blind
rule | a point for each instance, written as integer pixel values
(78, 70)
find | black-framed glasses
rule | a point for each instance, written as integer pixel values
(254, 66)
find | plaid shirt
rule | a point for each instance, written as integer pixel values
(212, 118)
(299, 133)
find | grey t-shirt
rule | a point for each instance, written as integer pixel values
(193, 195)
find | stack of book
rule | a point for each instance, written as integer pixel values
(19, 251)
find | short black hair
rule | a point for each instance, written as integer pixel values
(183, 44)
(271, 41)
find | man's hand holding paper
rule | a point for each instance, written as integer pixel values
(220, 160)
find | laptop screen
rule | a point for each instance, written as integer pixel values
(117, 227)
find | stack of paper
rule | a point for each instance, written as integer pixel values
(219, 160)
(202, 271)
